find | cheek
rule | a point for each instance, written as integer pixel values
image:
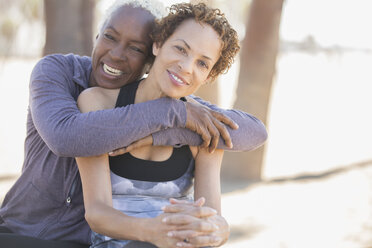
(137, 64)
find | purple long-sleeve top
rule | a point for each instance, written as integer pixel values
(46, 201)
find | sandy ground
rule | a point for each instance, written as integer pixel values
(317, 182)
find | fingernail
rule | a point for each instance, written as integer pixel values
(217, 239)
(110, 153)
(164, 219)
(179, 244)
(215, 227)
(214, 210)
(170, 234)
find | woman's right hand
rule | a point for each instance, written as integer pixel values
(209, 124)
(173, 229)
(194, 225)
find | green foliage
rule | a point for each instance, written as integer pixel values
(8, 28)
(32, 9)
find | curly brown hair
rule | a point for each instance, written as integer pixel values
(178, 13)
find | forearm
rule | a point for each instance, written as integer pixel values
(76, 134)
(108, 221)
(250, 134)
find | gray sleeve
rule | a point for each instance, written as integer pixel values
(67, 132)
(250, 135)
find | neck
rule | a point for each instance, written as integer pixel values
(92, 81)
(148, 90)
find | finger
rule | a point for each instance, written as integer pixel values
(117, 152)
(179, 219)
(208, 240)
(206, 137)
(199, 225)
(183, 234)
(225, 119)
(196, 211)
(185, 244)
(177, 201)
(134, 145)
(199, 202)
(176, 208)
(224, 133)
(215, 138)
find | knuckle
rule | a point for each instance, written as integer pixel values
(203, 226)
(199, 212)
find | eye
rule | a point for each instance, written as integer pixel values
(203, 64)
(181, 49)
(137, 49)
(108, 36)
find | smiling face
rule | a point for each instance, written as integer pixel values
(122, 48)
(186, 58)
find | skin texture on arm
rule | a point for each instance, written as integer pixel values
(99, 213)
(207, 185)
(96, 183)
(207, 207)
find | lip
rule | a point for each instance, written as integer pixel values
(110, 76)
(174, 81)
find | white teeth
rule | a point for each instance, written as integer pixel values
(177, 79)
(112, 71)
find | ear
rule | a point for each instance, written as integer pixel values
(155, 49)
(147, 68)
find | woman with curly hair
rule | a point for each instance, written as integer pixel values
(126, 197)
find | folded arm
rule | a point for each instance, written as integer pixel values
(70, 133)
(250, 134)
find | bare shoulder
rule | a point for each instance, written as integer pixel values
(97, 98)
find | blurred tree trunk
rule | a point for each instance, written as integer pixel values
(257, 70)
(69, 26)
(209, 91)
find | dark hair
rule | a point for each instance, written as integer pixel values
(166, 26)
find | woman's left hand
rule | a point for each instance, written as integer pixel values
(147, 141)
(193, 234)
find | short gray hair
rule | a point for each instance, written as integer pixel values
(155, 7)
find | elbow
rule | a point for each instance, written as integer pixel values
(262, 137)
(260, 134)
(248, 138)
(93, 220)
(61, 148)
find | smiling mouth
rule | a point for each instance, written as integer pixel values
(112, 71)
(177, 79)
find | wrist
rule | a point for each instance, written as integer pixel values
(147, 232)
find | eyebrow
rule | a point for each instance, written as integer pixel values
(188, 46)
(113, 29)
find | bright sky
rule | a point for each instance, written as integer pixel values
(342, 22)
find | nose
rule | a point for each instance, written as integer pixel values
(186, 65)
(118, 53)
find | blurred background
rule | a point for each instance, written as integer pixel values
(304, 69)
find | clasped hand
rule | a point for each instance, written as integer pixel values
(190, 224)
